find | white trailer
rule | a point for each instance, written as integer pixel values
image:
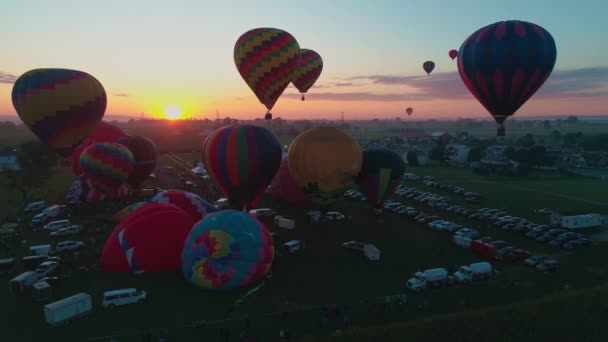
(68, 309)
(21, 282)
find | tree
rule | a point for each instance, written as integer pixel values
(412, 158)
(571, 120)
(527, 140)
(547, 124)
(556, 135)
(438, 153)
(572, 138)
(227, 121)
(131, 121)
(475, 154)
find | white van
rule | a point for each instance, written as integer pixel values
(293, 246)
(35, 207)
(56, 225)
(40, 250)
(115, 298)
(222, 203)
(55, 210)
(262, 212)
(284, 223)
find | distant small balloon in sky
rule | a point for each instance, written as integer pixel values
(428, 66)
(453, 54)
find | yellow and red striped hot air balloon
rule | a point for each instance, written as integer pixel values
(308, 71)
(60, 106)
(267, 59)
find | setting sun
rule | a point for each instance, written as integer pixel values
(173, 112)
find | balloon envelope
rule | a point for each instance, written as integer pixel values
(504, 64)
(428, 66)
(187, 201)
(242, 159)
(125, 212)
(83, 190)
(284, 187)
(380, 174)
(60, 106)
(227, 250)
(453, 54)
(409, 111)
(107, 165)
(324, 161)
(309, 70)
(150, 239)
(103, 132)
(267, 59)
(144, 152)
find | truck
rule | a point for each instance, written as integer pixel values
(475, 271)
(68, 309)
(483, 249)
(284, 223)
(432, 277)
(462, 241)
(21, 282)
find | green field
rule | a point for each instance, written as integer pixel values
(323, 273)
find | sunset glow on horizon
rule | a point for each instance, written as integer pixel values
(372, 55)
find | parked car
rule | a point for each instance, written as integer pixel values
(556, 243)
(263, 212)
(56, 225)
(498, 244)
(548, 265)
(544, 238)
(35, 207)
(572, 245)
(517, 255)
(46, 268)
(584, 241)
(354, 245)
(486, 239)
(71, 230)
(115, 298)
(68, 246)
(534, 233)
(534, 260)
(502, 252)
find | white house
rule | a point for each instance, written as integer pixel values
(576, 221)
(460, 153)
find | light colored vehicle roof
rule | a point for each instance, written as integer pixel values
(121, 291)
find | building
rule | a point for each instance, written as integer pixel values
(9, 162)
(459, 154)
(416, 137)
(577, 221)
(441, 137)
(496, 150)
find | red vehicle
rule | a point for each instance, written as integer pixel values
(483, 249)
(518, 255)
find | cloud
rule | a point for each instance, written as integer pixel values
(355, 96)
(121, 95)
(7, 78)
(337, 85)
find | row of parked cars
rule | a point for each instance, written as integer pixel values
(469, 196)
(355, 195)
(554, 237)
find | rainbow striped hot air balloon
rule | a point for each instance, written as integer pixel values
(60, 106)
(309, 70)
(108, 165)
(267, 59)
(242, 160)
(227, 250)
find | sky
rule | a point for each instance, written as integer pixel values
(175, 57)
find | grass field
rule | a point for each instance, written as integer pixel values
(323, 273)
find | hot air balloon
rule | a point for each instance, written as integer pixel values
(284, 188)
(380, 174)
(453, 54)
(83, 190)
(227, 250)
(125, 212)
(144, 152)
(428, 66)
(150, 239)
(267, 59)
(103, 132)
(60, 106)
(324, 161)
(107, 165)
(504, 64)
(187, 201)
(409, 111)
(242, 159)
(308, 71)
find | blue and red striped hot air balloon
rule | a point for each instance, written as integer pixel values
(242, 160)
(267, 59)
(504, 64)
(60, 106)
(380, 174)
(107, 165)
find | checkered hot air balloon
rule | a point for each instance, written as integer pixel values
(309, 70)
(60, 106)
(504, 64)
(197, 207)
(107, 165)
(267, 59)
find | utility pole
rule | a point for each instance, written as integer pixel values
(342, 117)
(217, 114)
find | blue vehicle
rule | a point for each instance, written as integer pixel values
(557, 242)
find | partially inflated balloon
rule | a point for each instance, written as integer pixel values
(504, 64)
(284, 187)
(103, 132)
(324, 161)
(107, 165)
(227, 250)
(380, 174)
(453, 54)
(409, 111)
(308, 71)
(267, 59)
(144, 152)
(83, 190)
(187, 201)
(428, 66)
(60, 106)
(150, 239)
(242, 159)
(125, 212)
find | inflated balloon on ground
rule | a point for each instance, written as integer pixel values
(83, 190)
(107, 165)
(380, 174)
(144, 152)
(187, 201)
(284, 187)
(227, 250)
